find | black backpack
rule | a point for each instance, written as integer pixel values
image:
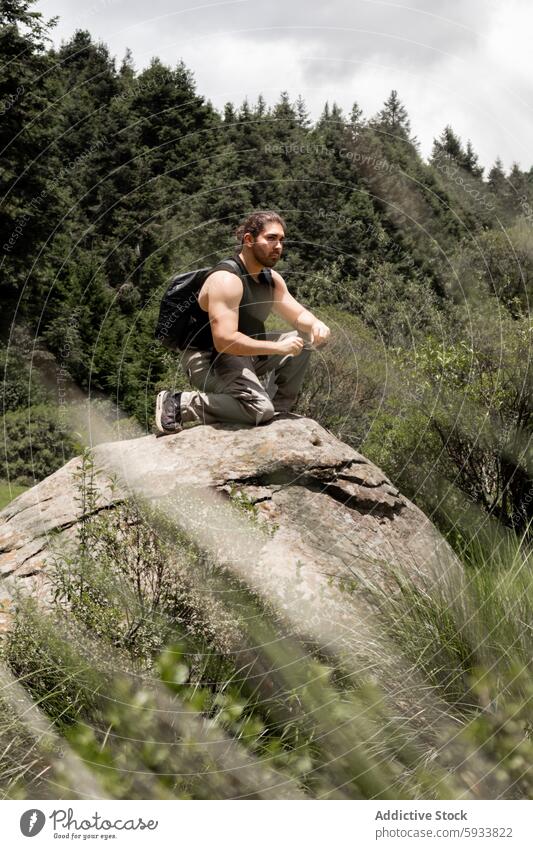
(182, 323)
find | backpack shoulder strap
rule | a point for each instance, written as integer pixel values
(230, 264)
(236, 267)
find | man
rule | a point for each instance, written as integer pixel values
(252, 374)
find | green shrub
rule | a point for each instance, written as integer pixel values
(36, 443)
(20, 386)
(345, 381)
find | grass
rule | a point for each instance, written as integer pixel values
(9, 491)
(157, 702)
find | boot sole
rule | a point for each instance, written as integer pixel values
(160, 430)
(159, 411)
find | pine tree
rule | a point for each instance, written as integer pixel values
(331, 137)
(34, 199)
(245, 113)
(302, 114)
(127, 68)
(285, 119)
(89, 73)
(129, 204)
(337, 116)
(518, 180)
(393, 117)
(248, 135)
(471, 162)
(176, 124)
(226, 197)
(18, 12)
(496, 180)
(230, 115)
(356, 118)
(323, 120)
(448, 145)
(260, 109)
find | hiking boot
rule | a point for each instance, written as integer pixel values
(167, 413)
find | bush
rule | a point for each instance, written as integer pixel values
(20, 387)
(345, 381)
(463, 417)
(36, 443)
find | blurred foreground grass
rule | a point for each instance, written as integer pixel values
(153, 674)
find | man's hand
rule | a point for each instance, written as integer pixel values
(293, 345)
(320, 334)
(301, 319)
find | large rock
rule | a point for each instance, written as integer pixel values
(332, 515)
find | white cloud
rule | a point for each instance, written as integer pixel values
(467, 64)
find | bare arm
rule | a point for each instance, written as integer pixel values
(224, 291)
(298, 316)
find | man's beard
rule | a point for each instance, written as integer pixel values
(267, 260)
(270, 261)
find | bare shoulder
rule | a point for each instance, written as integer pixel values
(220, 286)
(224, 281)
(279, 283)
(276, 276)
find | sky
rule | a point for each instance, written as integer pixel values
(468, 63)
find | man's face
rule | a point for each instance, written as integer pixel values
(268, 245)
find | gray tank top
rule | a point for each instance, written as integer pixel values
(256, 301)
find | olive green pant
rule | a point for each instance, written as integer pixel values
(242, 390)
